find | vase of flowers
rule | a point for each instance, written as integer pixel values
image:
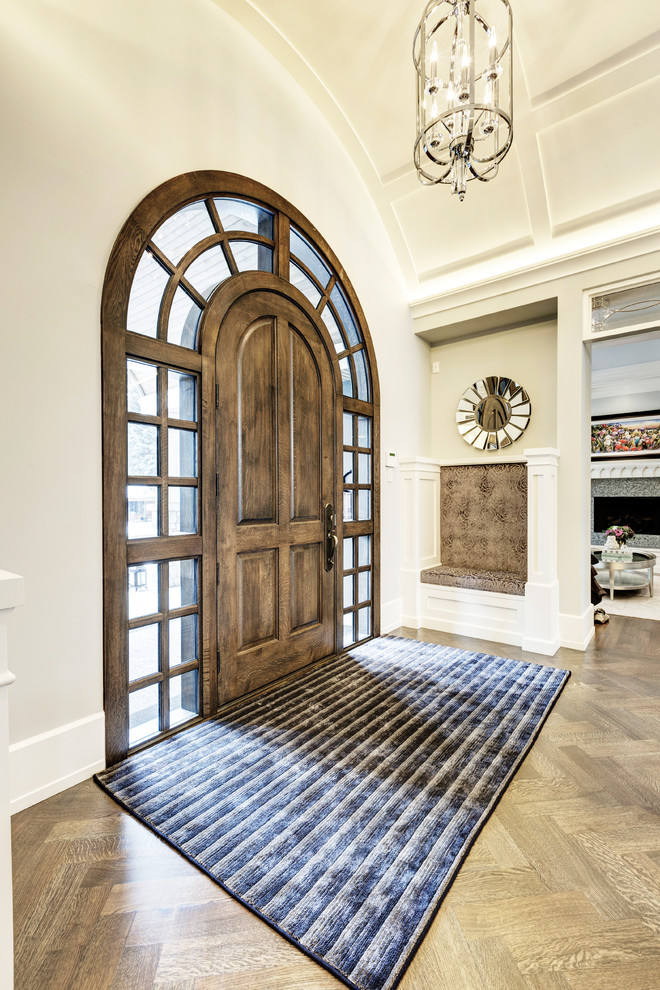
(621, 534)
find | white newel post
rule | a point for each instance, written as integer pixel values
(420, 502)
(11, 595)
(542, 588)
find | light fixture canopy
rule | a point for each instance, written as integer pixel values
(463, 54)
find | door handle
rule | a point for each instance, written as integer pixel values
(331, 540)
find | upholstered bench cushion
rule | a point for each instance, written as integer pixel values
(458, 577)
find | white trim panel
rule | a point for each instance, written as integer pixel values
(467, 612)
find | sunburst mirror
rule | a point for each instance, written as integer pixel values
(493, 413)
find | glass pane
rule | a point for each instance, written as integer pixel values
(364, 469)
(143, 651)
(349, 507)
(186, 228)
(142, 590)
(349, 636)
(348, 591)
(182, 453)
(184, 703)
(298, 278)
(142, 388)
(302, 249)
(238, 214)
(184, 320)
(364, 504)
(364, 551)
(364, 586)
(364, 623)
(181, 396)
(183, 583)
(252, 257)
(146, 293)
(143, 706)
(364, 431)
(348, 429)
(361, 375)
(208, 271)
(349, 477)
(639, 304)
(346, 375)
(183, 640)
(334, 330)
(348, 554)
(182, 510)
(346, 316)
(142, 511)
(142, 445)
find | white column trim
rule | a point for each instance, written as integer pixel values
(542, 589)
(420, 512)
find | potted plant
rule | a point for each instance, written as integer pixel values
(621, 534)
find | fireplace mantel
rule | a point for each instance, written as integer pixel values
(647, 467)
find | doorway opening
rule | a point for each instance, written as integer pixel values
(625, 466)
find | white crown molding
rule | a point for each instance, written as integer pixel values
(627, 380)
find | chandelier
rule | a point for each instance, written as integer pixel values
(463, 57)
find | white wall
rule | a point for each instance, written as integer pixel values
(526, 354)
(101, 103)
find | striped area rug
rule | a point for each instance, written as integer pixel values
(339, 807)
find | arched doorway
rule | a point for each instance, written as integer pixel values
(240, 419)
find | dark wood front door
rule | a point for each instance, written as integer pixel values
(276, 476)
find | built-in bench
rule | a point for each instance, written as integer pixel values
(479, 548)
(483, 528)
(459, 577)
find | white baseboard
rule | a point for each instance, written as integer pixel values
(577, 631)
(468, 612)
(390, 615)
(48, 763)
(546, 647)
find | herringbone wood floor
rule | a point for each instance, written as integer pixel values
(561, 891)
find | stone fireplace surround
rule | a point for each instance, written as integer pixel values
(626, 477)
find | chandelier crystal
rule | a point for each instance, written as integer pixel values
(463, 57)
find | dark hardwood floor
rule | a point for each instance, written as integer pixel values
(561, 891)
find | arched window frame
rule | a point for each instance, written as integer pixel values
(304, 269)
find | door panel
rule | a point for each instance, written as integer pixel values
(257, 588)
(306, 587)
(305, 431)
(257, 431)
(276, 472)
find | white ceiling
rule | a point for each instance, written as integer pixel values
(585, 166)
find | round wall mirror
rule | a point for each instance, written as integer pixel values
(493, 413)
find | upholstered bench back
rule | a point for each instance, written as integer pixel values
(483, 528)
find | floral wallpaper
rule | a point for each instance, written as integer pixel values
(483, 517)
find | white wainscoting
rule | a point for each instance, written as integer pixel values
(466, 612)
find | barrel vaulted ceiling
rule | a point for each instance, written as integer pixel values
(584, 170)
